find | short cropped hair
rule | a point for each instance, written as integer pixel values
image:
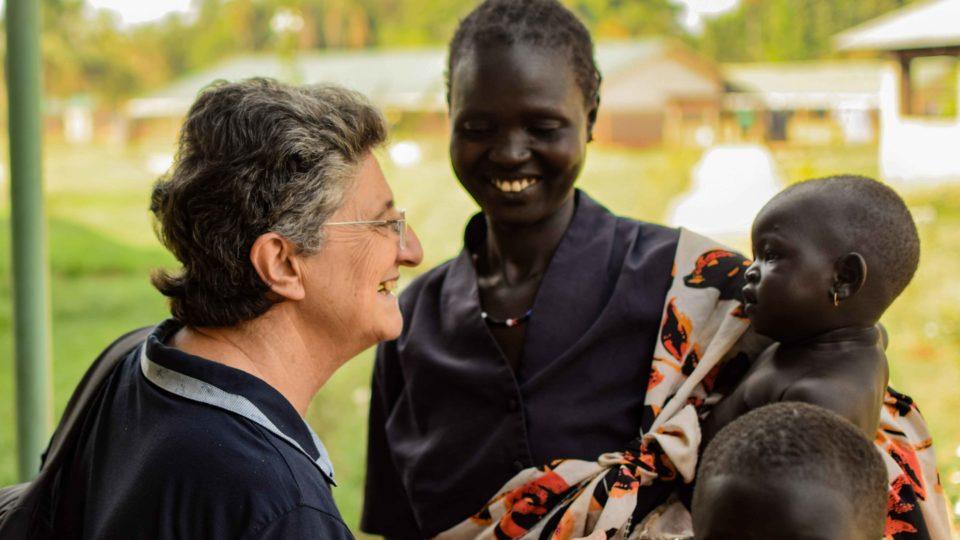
(791, 441)
(878, 222)
(254, 157)
(541, 23)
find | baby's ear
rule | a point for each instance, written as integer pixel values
(850, 273)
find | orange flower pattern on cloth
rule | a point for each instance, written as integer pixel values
(917, 508)
(530, 502)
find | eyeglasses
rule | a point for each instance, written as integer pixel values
(398, 225)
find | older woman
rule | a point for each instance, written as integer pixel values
(290, 245)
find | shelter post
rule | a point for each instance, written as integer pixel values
(28, 230)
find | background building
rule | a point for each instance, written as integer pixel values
(919, 96)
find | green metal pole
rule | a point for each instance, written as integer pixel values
(30, 296)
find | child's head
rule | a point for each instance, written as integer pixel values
(790, 471)
(522, 88)
(828, 253)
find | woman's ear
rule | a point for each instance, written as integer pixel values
(850, 273)
(277, 262)
(592, 118)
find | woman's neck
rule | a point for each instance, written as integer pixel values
(273, 351)
(520, 252)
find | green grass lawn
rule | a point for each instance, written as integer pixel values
(103, 249)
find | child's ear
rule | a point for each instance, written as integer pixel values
(592, 119)
(850, 273)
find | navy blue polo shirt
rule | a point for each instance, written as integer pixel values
(450, 421)
(176, 446)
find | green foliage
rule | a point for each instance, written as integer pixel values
(90, 53)
(87, 54)
(405, 23)
(778, 30)
(628, 18)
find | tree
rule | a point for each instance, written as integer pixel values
(777, 30)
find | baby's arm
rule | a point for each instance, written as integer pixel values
(727, 410)
(756, 384)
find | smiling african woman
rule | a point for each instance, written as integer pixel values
(460, 403)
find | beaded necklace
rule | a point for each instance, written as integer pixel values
(508, 322)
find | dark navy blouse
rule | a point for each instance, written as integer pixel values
(176, 446)
(450, 422)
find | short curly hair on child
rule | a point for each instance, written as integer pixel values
(878, 222)
(542, 23)
(792, 441)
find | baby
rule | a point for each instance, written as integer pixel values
(790, 471)
(830, 256)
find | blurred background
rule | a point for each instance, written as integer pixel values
(709, 107)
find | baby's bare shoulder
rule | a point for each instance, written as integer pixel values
(852, 389)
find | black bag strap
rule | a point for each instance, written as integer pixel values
(22, 509)
(87, 388)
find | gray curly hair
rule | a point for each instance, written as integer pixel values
(255, 156)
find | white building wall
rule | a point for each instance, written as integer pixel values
(915, 149)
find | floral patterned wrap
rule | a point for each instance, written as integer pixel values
(917, 508)
(701, 330)
(703, 345)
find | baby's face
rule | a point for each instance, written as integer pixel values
(788, 292)
(733, 508)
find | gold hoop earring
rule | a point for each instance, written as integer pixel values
(836, 299)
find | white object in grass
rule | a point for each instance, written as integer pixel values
(731, 183)
(405, 153)
(159, 163)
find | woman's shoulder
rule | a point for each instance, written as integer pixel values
(205, 470)
(648, 230)
(628, 228)
(645, 239)
(221, 449)
(246, 463)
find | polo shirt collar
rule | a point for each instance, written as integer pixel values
(201, 380)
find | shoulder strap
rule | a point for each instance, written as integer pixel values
(24, 508)
(88, 387)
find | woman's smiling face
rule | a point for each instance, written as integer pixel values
(350, 281)
(519, 131)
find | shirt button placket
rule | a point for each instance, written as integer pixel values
(523, 457)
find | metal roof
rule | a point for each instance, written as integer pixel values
(406, 79)
(807, 85)
(651, 74)
(923, 25)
